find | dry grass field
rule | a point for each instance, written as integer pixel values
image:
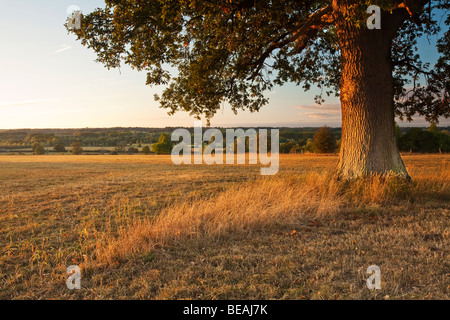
(140, 227)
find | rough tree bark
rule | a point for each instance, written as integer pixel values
(368, 142)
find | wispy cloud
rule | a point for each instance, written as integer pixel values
(331, 110)
(326, 106)
(26, 102)
(320, 115)
(63, 47)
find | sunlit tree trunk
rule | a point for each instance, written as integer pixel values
(368, 142)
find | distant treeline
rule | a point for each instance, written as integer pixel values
(113, 137)
(431, 140)
(110, 137)
(328, 140)
(292, 140)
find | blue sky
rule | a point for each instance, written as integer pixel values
(49, 80)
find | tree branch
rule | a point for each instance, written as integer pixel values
(305, 32)
(413, 8)
(406, 62)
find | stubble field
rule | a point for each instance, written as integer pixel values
(140, 227)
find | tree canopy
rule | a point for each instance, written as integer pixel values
(234, 50)
(76, 148)
(163, 146)
(208, 53)
(324, 141)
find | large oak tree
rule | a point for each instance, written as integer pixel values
(234, 50)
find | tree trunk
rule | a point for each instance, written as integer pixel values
(368, 142)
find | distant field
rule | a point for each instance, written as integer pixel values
(142, 228)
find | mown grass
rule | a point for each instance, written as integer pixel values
(142, 228)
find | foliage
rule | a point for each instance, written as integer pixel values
(110, 137)
(76, 148)
(292, 140)
(163, 146)
(234, 51)
(39, 138)
(38, 149)
(122, 137)
(429, 141)
(146, 150)
(287, 147)
(291, 147)
(59, 147)
(324, 141)
(308, 147)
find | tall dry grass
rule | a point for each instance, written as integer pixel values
(262, 204)
(248, 207)
(140, 227)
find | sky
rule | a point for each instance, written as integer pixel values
(49, 80)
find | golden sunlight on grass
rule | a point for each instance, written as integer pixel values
(250, 207)
(140, 227)
(264, 204)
